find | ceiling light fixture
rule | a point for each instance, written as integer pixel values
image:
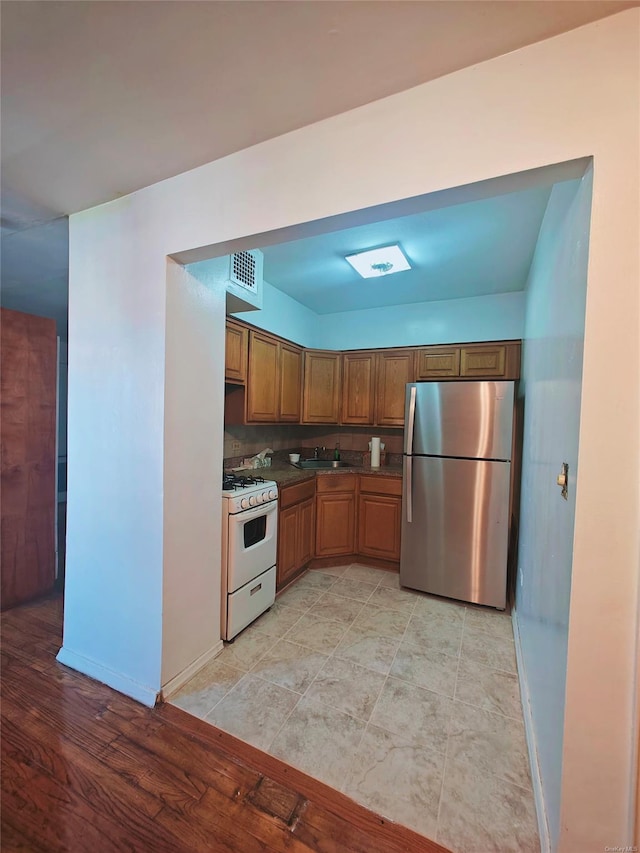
(376, 262)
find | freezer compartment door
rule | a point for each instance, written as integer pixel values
(464, 419)
(457, 540)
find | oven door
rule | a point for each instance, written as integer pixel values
(252, 544)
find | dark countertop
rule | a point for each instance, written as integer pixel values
(287, 475)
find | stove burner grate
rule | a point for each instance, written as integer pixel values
(231, 482)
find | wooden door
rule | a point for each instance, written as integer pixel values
(358, 388)
(379, 526)
(483, 361)
(434, 362)
(290, 383)
(287, 565)
(306, 532)
(236, 352)
(394, 369)
(320, 399)
(335, 524)
(263, 378)
(28, 374)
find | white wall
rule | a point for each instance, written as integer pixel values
(284, 316)
(551, 384)
(193, 423)
(483, 318)
(568, 97)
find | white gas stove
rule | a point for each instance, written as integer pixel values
(244, 492)
(249, 545)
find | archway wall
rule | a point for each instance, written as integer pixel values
(572, 96)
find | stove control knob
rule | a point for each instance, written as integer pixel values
(272, 494)
(259, 497)
(252, 500)
(244, 503)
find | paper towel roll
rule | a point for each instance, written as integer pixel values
(375, 452)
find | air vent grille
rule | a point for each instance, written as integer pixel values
(244, 269)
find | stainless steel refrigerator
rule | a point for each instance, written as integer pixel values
(457, 489)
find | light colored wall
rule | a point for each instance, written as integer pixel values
(565, 98)
(483, 318)
(551, 384)
(194, 400)
(284, 316)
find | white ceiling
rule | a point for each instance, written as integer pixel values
(457, 251)
(102, 98)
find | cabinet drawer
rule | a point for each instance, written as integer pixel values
(381, 485)
(336, 483)
(297, 493)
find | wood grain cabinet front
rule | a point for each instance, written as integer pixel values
(264, 379)
(272, 390)
(394, 368)
(335, 515)
(236, 352)
(499, 360)
(290, 388)
(321, 394)
(379, 517)
(296, 530)
(358, 388)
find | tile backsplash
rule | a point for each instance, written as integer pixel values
(243, 441)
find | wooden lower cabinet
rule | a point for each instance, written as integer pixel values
(379, 517)
(379, 526)
(335, 515)
(296, 530)
(352, 515)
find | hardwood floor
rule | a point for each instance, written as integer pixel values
(85, 768)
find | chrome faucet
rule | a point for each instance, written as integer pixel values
(316, 453)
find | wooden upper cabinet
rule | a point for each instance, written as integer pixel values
(394, 369)
(236, 352)
(358, 388)
(484, 361)
(290, 383)
(435, 362)
(320, 399)
(264, 377)
(499, 360)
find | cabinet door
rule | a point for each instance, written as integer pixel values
(290, 383)
(379, 526)
(263, 379)
(335, 528)
(483, 361)
(288, 524)
(358, 387)
(320, 401)
(395, 368)
(235, 352)
(438, 361)
(306, 532)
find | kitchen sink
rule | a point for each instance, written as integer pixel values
(315, 464)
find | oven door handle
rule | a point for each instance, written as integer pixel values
(252, 512)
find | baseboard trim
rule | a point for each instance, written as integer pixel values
(174, 684)
(536, 779)
(140, 692)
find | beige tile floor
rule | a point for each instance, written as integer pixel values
(407, 703)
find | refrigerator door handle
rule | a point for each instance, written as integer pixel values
(408, 495)
(411, 420)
